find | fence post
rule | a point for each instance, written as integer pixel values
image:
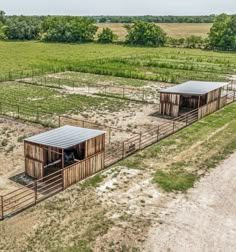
(158, 132)
(123, 150)
(36, 191)
(59, 121)
(140, 140)
(187, 120)
(109, 135)
(173, 126)
(234, 95)
(18, 111)
(2, 208)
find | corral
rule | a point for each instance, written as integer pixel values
(191, 95)
(65, 147)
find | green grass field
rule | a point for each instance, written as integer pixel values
(161, 64)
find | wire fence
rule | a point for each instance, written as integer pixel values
(148, 95)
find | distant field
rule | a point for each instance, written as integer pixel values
(155, 64)
(173, 30)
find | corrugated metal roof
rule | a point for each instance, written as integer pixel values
(65, 137)
(194, 87)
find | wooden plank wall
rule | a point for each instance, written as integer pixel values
(213, 95)
(208, 109)
(83, 169)
(33, 160)
(169, 104)
(51, 154)
(94, 145)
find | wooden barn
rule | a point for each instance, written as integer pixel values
(191, 95)
(78, 152)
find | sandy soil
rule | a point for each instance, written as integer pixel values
(11, 145)
(202, 220)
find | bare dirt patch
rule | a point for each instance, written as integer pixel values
(12, 133)
(202, 220)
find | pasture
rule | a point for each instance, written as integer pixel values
(104, 212)
(181, 30)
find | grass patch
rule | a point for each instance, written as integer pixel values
(177, 180)
(93, 181)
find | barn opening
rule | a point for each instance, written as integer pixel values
(59, 148)
(190, 95)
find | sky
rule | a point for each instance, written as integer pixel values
(117, 7)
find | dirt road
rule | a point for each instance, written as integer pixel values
(202, 220)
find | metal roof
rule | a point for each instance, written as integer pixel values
(65, 137)
(194, 87)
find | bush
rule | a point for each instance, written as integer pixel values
(106, 36)
(147, 34)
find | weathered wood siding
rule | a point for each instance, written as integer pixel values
(83, 169)
(94, 145)
(51, 154)
(208, 109)
(169, 104)
(213, 95)
(33, 160)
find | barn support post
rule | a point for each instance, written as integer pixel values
(199, 99)
(62, 169)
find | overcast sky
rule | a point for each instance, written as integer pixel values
(118, 7)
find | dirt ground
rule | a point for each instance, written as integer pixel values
(202, 220)
(12, 133)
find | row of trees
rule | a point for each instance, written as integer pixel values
(80, 29)
(154, 19)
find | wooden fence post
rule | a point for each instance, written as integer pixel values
(18, 111)
(123, 150)
(35, 191)
(109, 135)
(140, 140)
(59, 121)
(187, 120)
(158, 132)
(173, 126)
(2, 208)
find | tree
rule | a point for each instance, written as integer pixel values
(106, 36)
(147, 34)
(223, 33)
(22, 28)
(68, 29)
(2, 16)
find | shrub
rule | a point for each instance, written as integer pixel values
(147, 34)
(106, 36)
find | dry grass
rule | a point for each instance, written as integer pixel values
(173, 30)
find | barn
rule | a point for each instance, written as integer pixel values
(73, 150)
(190, 95)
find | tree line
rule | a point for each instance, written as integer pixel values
(81, 29)
(154, 19)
